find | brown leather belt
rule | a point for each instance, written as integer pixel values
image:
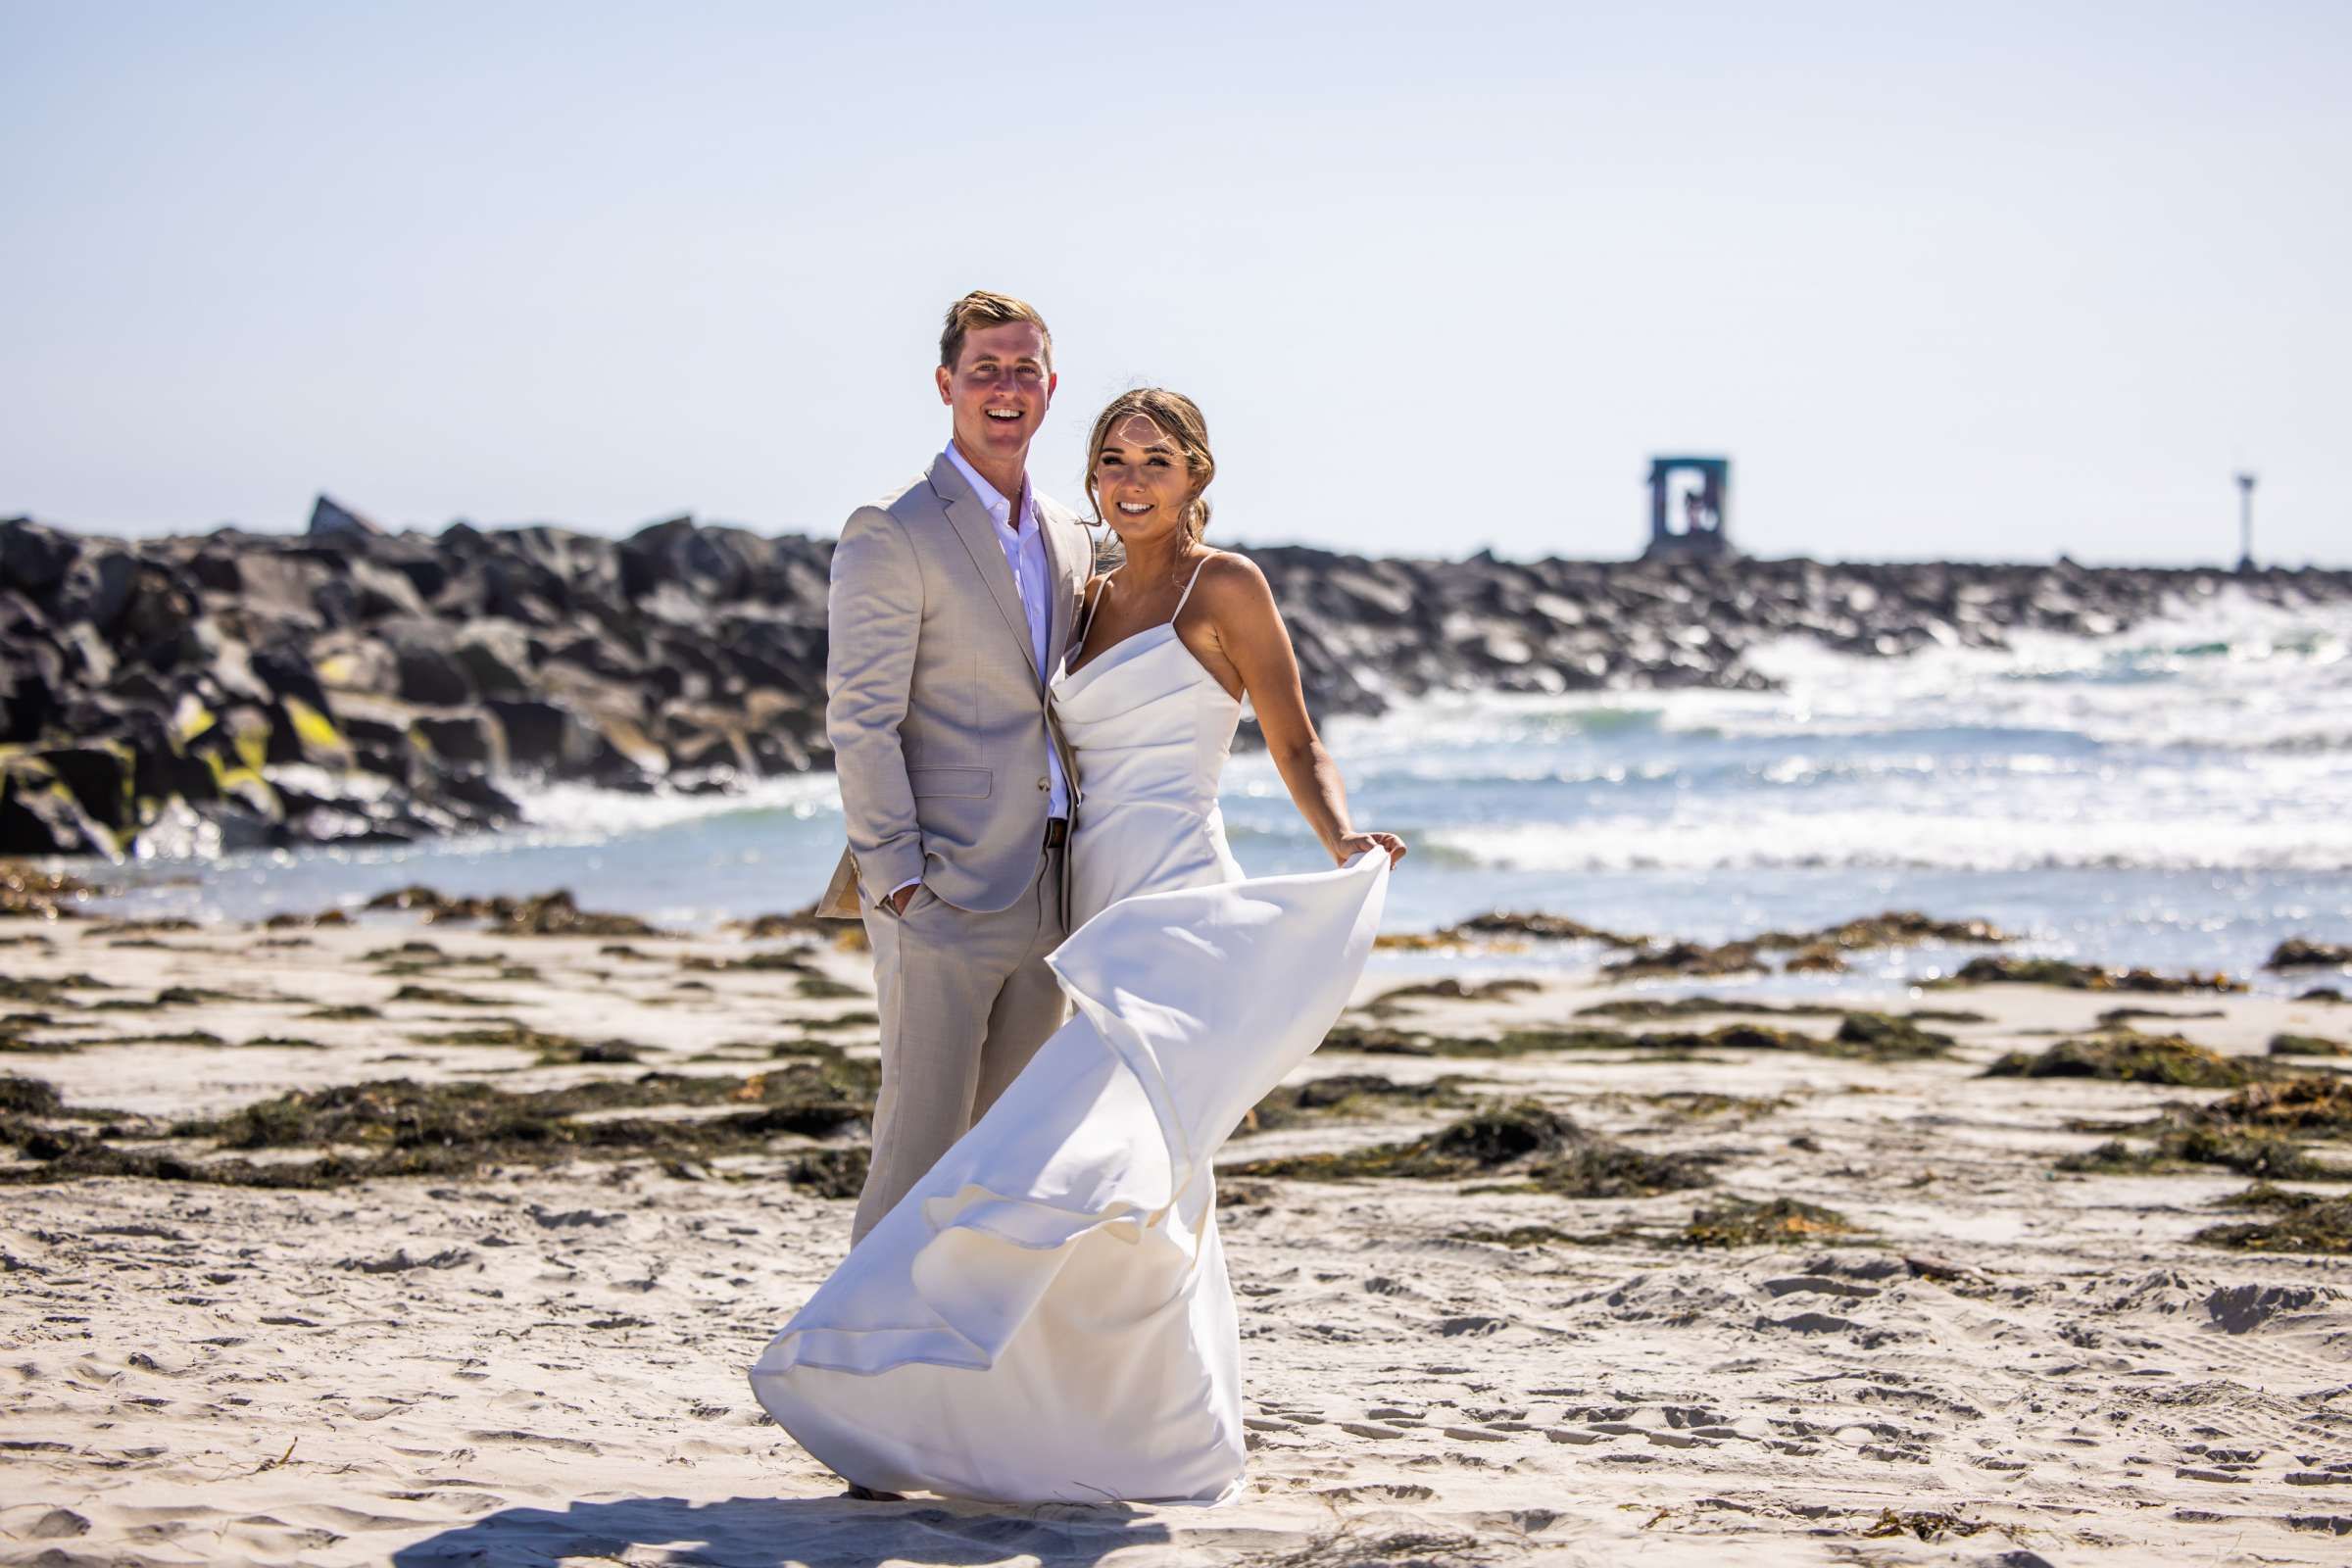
(1057, 832)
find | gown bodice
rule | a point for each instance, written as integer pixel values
(1150, 728)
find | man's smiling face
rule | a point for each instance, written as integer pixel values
(999, 390)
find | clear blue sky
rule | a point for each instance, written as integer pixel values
(1983, 280)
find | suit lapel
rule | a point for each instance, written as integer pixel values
(978, 531)
(1063, 548)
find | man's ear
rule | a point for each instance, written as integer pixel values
(1052, 381)
(943, 379)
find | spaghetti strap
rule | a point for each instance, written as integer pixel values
(1188, 591)
(1087, 622)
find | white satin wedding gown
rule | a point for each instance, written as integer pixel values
(1046, 1316)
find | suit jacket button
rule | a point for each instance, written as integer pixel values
(1045, 784)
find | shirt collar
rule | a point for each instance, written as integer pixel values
(993, 499)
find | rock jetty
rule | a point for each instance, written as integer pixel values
(350, 684)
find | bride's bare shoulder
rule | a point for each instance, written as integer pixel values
(1230, 582)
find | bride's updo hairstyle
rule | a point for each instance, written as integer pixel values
(1179, 420)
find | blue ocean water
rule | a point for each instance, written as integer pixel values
(2178, 796)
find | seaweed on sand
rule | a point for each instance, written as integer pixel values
(301, 920)
(1882, 1037)
(442, 998)
(1685, 958)
(29, 1096)
(48, 992)
(1383, 1041)
(1353, 1094)
(2314, 1107)
(1924, 1524)
(1545, 1150)
(2135, 1058)
(28, 892)
(169, 997)
(790, 961)
(2308, 1046)
(2255, 1131)
(1652, 1010)
(1507, 927)
(1890, 928)
(2122, 1017)
(1820, 950)
(16, 1027)
(1649, 1009)
(1453, 990)
(544, 914)
(1517, 1236)
(766, 927)
(593, 1053)
(1862, 1036)
(2300, 1222)
(2260, 1154)
(504, 1032)
(822, 987)
(399, 1127)
(1867, 1036)
(823, 1096)
(2072, 977)
(1743, 1222)
(2300, 953)
(1693, 1104)
(415, 951)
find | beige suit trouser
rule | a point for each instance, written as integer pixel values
(966, 1000)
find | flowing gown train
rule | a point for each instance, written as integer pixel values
(1045, 1315)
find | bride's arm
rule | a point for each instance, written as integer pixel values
(1254, 642)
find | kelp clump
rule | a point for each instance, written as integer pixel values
(2133, 1059)
(1546, 1152)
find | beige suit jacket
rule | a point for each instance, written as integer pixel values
(936, 713)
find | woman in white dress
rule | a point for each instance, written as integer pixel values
(1045, 1315)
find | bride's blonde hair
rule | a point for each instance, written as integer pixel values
(1179, 417)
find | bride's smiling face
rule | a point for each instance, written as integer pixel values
(1142, 479)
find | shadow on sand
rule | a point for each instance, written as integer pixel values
(788, 1533)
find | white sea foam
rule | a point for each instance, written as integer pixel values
(1894, 839)
(579, 812)
(2221, 738)
(2231, 673)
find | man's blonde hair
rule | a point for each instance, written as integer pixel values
(980, 307)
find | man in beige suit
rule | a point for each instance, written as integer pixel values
(951, 607)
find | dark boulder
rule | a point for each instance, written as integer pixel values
(99, 779)
(335, 523)
(470, 739)
(38, 814)
(98, 586)
(429, 673)
(542, 737)
(495, 658)
(35, 558)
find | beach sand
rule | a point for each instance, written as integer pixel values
(544, 1362)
